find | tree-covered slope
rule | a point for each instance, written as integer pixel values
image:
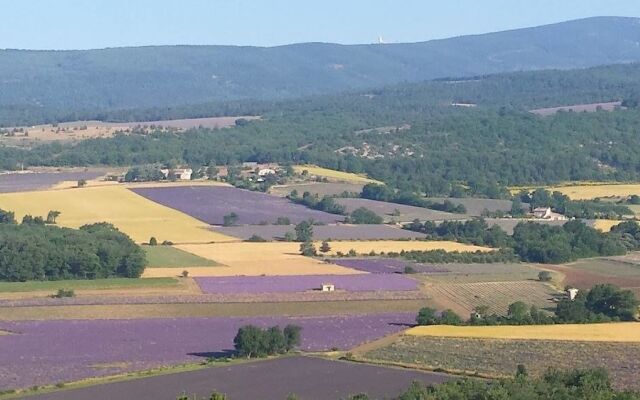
(121, 78)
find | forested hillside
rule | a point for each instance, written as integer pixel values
(68, 82)
(410, 136)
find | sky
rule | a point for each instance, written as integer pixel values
(85, 24)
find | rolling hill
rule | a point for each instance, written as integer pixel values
(166, 76)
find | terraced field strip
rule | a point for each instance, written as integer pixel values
(500, 358)
(333, 174)
(608, 332)
(252, 259)
(132, 214)
(364, 247)
(464, 297)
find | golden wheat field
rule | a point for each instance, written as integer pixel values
(243, 258)
(605, 225)
(610, 332)
(366, 246)
(132, 214)
(333, 174)
(591, 190)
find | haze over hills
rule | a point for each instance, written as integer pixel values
(121, 78)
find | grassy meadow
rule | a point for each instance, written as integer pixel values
(334, 175)
(171, 257)
(86, 284)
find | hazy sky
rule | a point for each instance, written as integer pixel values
(82, 24)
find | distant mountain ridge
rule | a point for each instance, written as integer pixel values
(135, 77)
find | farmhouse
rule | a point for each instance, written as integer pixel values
(328, 287)
(266, 171)
(177, 173)
(546, 213)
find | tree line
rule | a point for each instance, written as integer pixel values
(37, 251)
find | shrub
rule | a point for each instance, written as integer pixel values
(544, 276)
(256, 239)
(153, 241)
(185, 274)
(62, 293)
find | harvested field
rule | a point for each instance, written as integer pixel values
(79, 130)
(476, 207)
(587, 273)
(605, 225)
(365, 247)
(48, 352)
(319, 188)
(309, 378)
(23, 182)
(211, 203)
(322, 232)
(463, 297)
(154, 309)
(132, 214)
(508, 224)
(607, 332)
(407, 213)
(592, 107)
(252, 259)
(334, 175)
(170, 257)
(469, 273)
(284, 284)
(387, 265)
(589, 191)
(501, 357)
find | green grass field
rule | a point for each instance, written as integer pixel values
(95, 284)
(170, 257)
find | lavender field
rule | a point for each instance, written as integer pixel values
(322, 232)
(211, 203)
(386, 265)
(288, 284)
(49, 352)
(23, 182)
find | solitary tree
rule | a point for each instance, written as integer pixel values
(325, 247)
(51, 216)
(230, 219)
(308, 249)
(153, 241)
(304, 231)
(82, 183)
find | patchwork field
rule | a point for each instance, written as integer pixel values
(132, 214)
(469, 273)
(365, 247)
(334, 175)
(463, 297)
(23, 182)
(387, 265)
(33, 355)
(317, 188)
(170, 257)
(607, 332)
(475, 207)
(583, 274)
(253, 259)
(321, 232)
(592, 107)
(285, 284)
(593, 190)
(494, 358)
(211, 203)
(307, 377)
(407, 213)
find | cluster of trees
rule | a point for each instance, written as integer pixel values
(562, 204)
(475, 231)
(252, 341)
(464, 257)
(364, 216)
(326, 204)
(534, 242)
(34, 251)
(558, 244)
(603, 303)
